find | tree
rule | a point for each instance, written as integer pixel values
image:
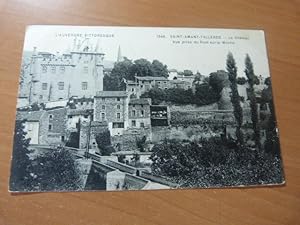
(140, 143)
(217, 80)
(205, 94)
(142, 68)
(21, 178)
(272, 141)
(188, 73)
(56, 170)
(159, 69)
(157, 95)
(103, 140)
(249, 71)
(235, 97)
(121, 71)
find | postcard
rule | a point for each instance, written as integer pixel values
(143, 108)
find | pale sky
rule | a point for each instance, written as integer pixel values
(196, 49)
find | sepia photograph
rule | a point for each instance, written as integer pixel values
(137, 108)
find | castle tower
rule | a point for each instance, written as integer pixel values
(33, 92)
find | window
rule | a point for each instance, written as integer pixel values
(142, 86)
(62, 138)
(85, 69)
(53, 69)
(44, 86)
(84, 85)
(86, 116)
(132, 89)
(103, 107)
(133, 106)
(118, 125)
(50, 127)
(118, 99)
(44, 69)
(133, 112)
(118, 107)
(142, 106)
(62, 69)
(133, 123)
(61, 85)
(142, 113)
(102, 116)
(118, 116)
(50, 116)
(142, 124)
(103, 99)
(70, 116)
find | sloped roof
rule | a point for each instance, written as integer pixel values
(76, 112)
(139, 101)
(111, 94)
(148, 78)
(30, 115)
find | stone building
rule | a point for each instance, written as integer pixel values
(50, 77)
(144, 84)
(139, 113)
(77, 116)
(45, 127)
(112, 107)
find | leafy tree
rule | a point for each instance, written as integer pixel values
(103, 140)
(253, 104)
(142, 68)
(235, 97)
(140, 143)
(121, 71)
(217, 80)
(188, 73)
(205, 94)
(21, 163)
(157, 95)
(159, 69)
(56, 170)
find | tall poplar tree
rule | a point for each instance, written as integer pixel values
(235, 97)
(249, 71)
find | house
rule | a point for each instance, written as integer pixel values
(139, 113)
(76, 116)
(45, 127)
(112, 107)
(144, 84)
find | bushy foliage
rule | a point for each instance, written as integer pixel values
(56, 170)
(103, 140)
(203, 95)
(141, 143)
(21, 163)
(213, 162)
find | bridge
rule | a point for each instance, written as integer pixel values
(106, 173)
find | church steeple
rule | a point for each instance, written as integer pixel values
(120, 57)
